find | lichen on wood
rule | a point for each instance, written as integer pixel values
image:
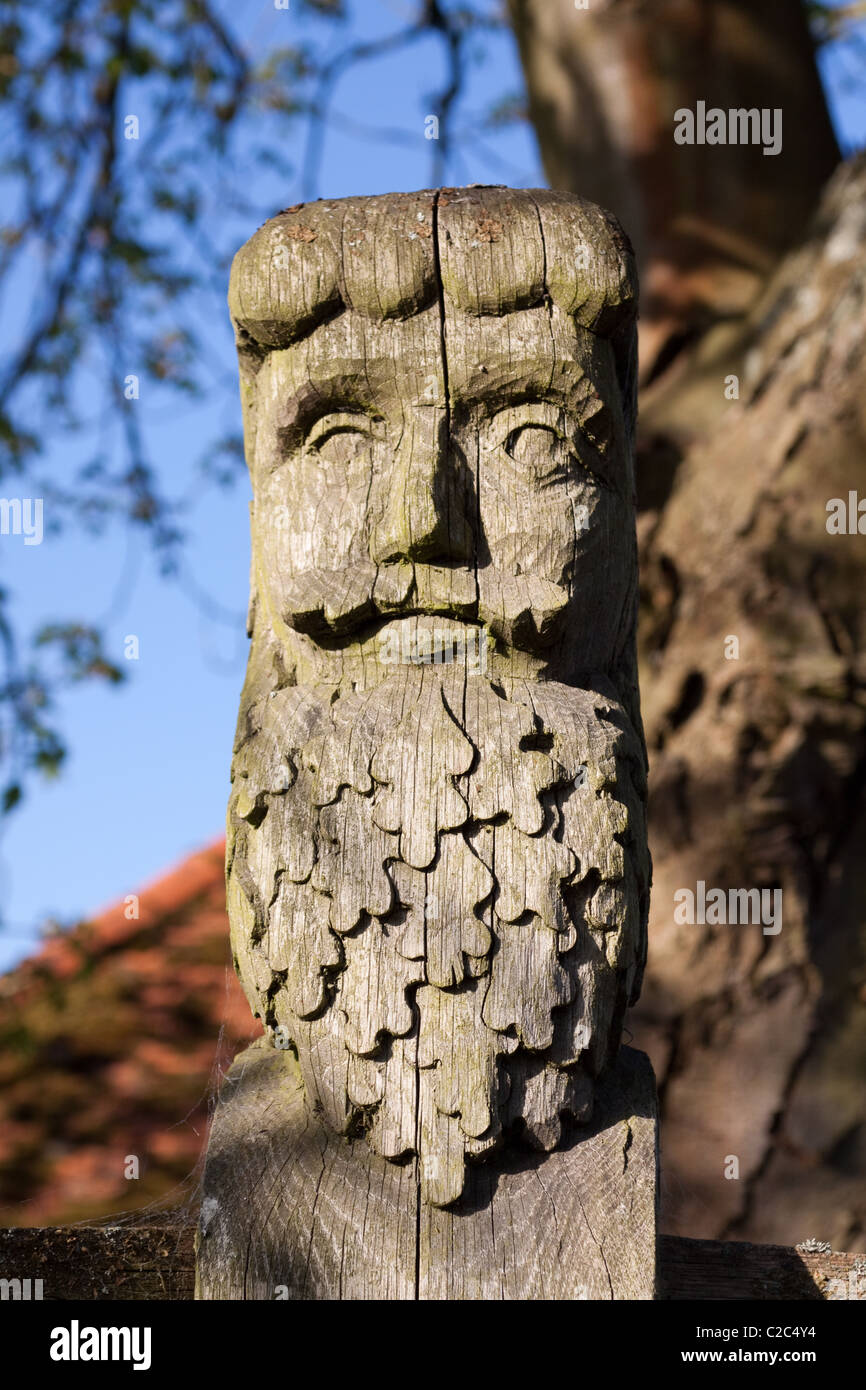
(437, 867)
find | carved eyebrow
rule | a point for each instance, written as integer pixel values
(492, 393)
(553, 402)
(345, 392)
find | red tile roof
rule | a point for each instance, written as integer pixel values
(110, 1038)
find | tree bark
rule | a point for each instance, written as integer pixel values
(708, 223)
(756, 760)
(757, 769)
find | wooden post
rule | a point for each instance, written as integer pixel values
(437, 866)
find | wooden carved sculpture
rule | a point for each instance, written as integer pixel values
(437, 866)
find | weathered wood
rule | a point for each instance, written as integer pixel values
(291, 1210)
(151, 1263)
(157, 1263)
(438, 875)
(728, 1269)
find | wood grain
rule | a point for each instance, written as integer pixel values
(437, 866)
(291, 1210)
(157, 1263)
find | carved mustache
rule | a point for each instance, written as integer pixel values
(521, 610)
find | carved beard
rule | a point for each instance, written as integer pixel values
(457, 904)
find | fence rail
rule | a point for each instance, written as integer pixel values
(158, 1263)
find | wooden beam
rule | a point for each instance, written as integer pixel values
(157, 1263)
(729, 1269)
(102, 1263)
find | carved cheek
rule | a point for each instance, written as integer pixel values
(595, 511)
(539, 529)
(546, 550)
(320, 509)
(600, 579)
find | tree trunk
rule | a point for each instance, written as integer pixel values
(757, 745)
(708, 223)
(757, 751)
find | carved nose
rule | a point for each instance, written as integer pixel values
(427, 506)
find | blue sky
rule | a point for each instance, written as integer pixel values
(146, 781)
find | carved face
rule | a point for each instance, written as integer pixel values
(447, 463)
(437, 878)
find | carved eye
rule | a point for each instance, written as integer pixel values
(528, 441)
(341, 436)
